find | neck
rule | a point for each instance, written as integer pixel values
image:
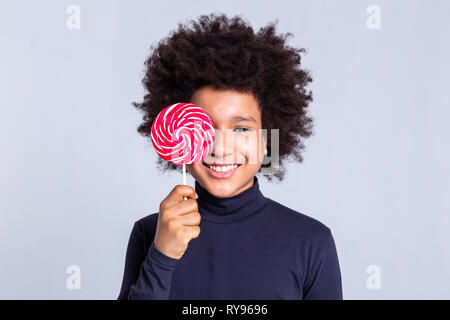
(235, 208)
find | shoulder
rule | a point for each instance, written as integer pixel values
(312, 239)
(144, 228)
(148, 221)
(298, 224)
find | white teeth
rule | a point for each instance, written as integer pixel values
(223, 168)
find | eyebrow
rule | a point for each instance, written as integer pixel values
(242, 118)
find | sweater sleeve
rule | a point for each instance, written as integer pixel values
(147, 275)
(324, 280)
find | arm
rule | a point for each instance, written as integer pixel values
(324, 279)
(147, 275)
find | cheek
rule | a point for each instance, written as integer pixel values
(249, 147)
(193, 168)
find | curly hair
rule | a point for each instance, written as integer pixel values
(227, 54)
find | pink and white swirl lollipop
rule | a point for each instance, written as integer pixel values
(182, 133)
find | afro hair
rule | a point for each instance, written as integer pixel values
(227, 54)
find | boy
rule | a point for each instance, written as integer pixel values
(229, 241)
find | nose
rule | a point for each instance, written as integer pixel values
(223, 145)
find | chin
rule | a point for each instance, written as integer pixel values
(219, 191)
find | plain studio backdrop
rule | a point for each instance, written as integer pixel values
(75, 175)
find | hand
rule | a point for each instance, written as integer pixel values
(178, 221)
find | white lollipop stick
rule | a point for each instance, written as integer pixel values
(184, 177)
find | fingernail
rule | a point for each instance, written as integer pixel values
(196, 196)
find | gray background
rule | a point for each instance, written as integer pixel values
(75, 175)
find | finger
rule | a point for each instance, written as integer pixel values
(182, 208)
(192, 231)
(178, 193)
(190, 219)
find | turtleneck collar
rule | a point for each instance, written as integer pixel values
(232, 209)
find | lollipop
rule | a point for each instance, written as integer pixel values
(182, 133)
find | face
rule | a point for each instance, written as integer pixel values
(238, 141)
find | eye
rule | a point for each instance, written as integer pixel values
(245, 129)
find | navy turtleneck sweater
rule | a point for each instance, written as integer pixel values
(249, 247)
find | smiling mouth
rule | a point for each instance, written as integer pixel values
(222, 168)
